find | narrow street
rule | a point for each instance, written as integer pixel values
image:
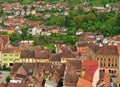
(4, 74)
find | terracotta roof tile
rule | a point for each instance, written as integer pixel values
(15, 68)
(21, 76)
(10, 50)
(38, 48)
(16, 85)
(83, 83)
(27, 54)
(3, 85)
(42, 55)
(67, 52)
(70, 80)
(81, 44)
(28, 66)
(25, 46)
(89, 63)
(89, 67)
(108, 50)
(55, 57)
(106, 78)
(1, 46)
(5, 39)
(75, 63)
(94, 47)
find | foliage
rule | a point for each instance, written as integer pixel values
(8, 79)
(4, 67)
(51, 47)
(3, 33)
(32, 18)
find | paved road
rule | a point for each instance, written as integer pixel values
(4, 74)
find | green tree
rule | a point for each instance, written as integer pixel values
(118, 20)
(8, 79)
(4, 67)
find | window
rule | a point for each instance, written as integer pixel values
(16, 59)
(97, 58)
(104, 64)
(101, 64)
(5, 58)
(112, 65)
(16, 55)
(10, 59)
(108, 64)
(109, 59)
(10, 54)
(5, 54)
(109, 71)
(104, 59)
(11, 64)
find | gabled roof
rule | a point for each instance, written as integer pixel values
(55, 57)
(1, 45)
(28, 67)
(94, 47)
(25, 46)
(16, 85)
(83, 83)
(5, 39)
(3, 85)
(15, 68)
(42, 55)
(70, 79)
(38, 48)
(75, 63)
(89, 67)
(20, 76)
(108, 50)
(81, 44)
(10, 50)
(67, 52)
(27, 54)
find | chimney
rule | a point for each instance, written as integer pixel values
(58, 50)
(100, 45)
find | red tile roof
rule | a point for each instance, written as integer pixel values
(118, 48)
(83, 83)
(10, 50)
(89, 63)
(89, 67)
(16, 85)
(2, 85)
(106, 78)
(67, 52)
(108, 50)
(5, 39)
